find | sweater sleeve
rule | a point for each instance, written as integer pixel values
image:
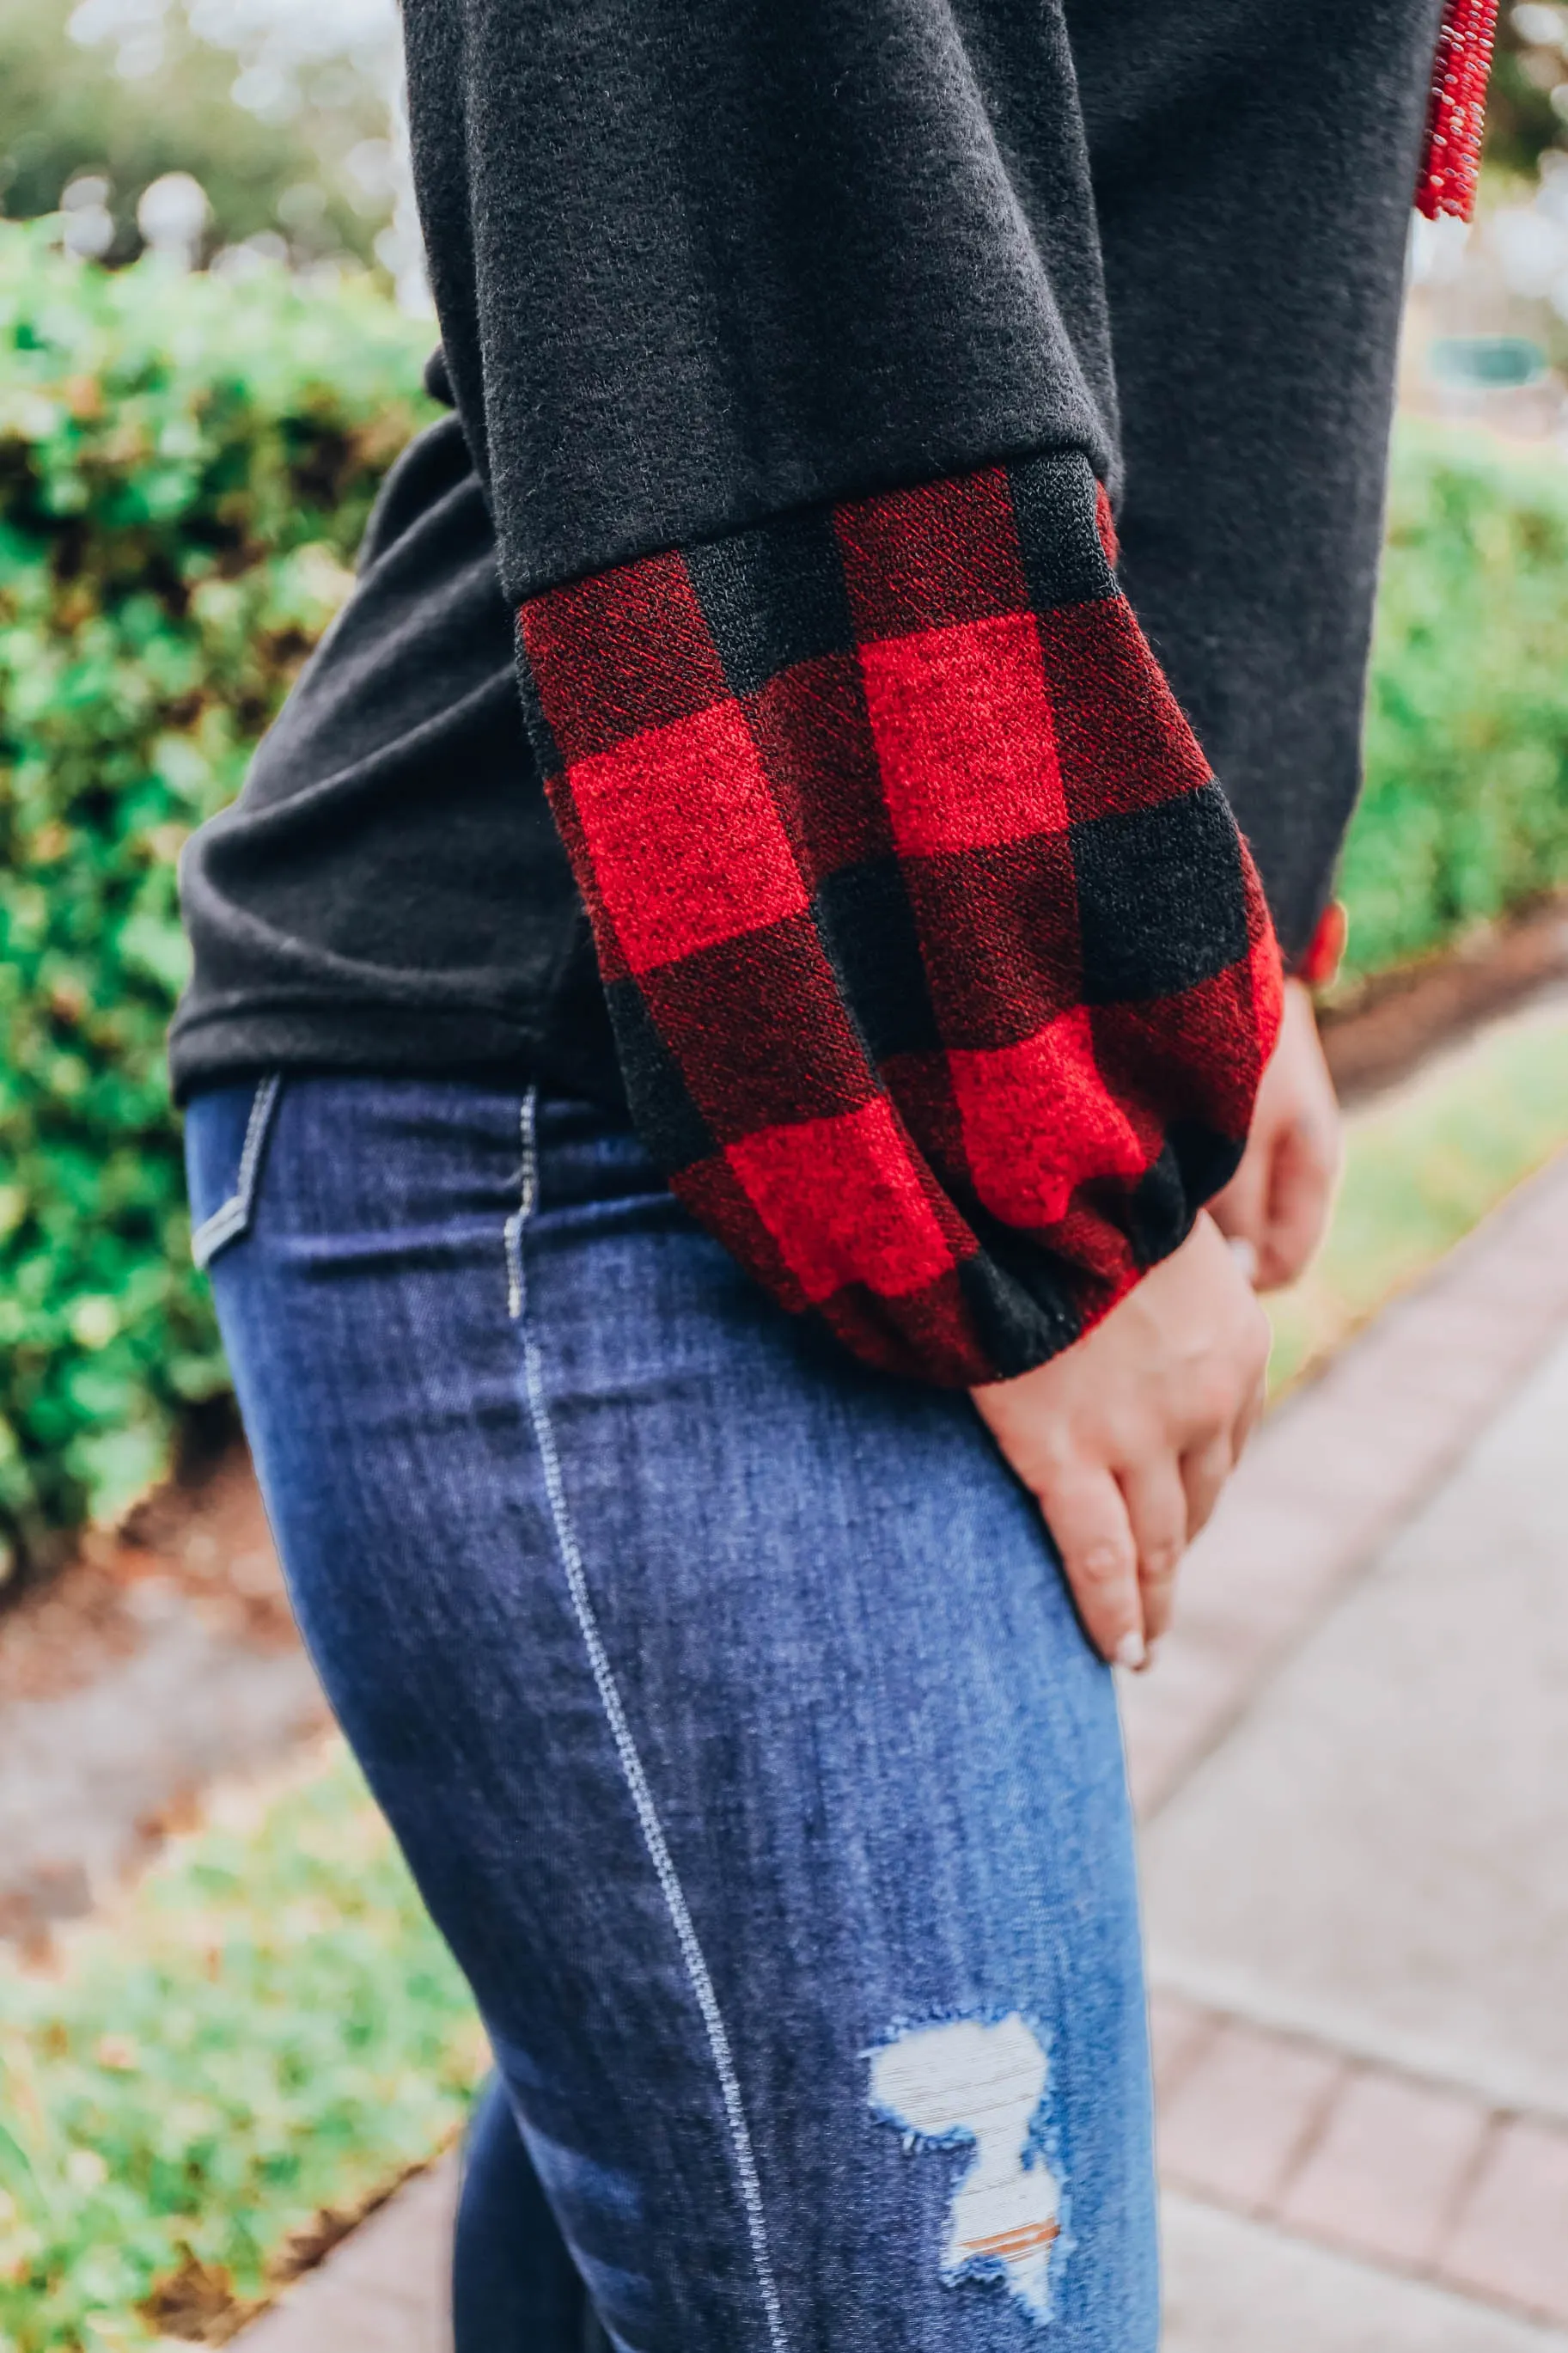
(940, 976)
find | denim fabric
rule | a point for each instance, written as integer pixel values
(728, 1703)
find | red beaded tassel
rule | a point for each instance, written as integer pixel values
(1451, 163)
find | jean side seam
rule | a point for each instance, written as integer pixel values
(527, 1194)
(232, 1217)
(630, 1760)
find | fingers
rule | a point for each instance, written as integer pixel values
(1241, 1211)
(1244, 1251)
(1125, 1438)
(1301, 1180)
(1278, 1198)
(1086, 1513)
(1248, 1418)
(1204, 1470)
(1156, 1503)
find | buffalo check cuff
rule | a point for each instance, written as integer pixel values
(940, 976)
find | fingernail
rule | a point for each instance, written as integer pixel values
(1245, 1253)
(1132, 1651)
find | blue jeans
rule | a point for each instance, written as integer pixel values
(728, 1703)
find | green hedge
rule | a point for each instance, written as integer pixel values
(1465, 814)
(185, 467)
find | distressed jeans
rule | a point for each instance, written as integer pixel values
(727, 1702)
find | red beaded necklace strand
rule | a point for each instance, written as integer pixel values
(1456, 118)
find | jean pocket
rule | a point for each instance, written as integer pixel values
(226, 1131)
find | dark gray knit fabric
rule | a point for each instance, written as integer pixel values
(1253, 170)
(699, 263)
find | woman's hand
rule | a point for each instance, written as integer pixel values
(1126, 1439)
(1277, 1204)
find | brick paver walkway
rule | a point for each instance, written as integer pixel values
(1414, 2176)
(1341, 1467)
(1326, 2194)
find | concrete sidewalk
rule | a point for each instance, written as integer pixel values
(1351, 1763)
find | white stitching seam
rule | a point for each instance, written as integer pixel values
(231, 1217)
(511, 1233)
(626, 1750)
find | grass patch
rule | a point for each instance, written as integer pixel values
(267, 2036)
(1422, 1168)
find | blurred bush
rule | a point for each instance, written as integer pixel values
(281, 116)
(1527, 98)
(1465, 815)
(185, 469)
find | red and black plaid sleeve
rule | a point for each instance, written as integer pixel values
(940, 976)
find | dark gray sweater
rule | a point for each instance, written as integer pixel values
(799, 359)
(697, 266)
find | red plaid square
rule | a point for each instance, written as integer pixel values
(1198, 1055)
(622, 652)
(686, 843)
(1103, 1259)
(931, 558)
(921, 1086)
(717, 1012)
(930, 1335)
(845, 1203)
(962, 723)
(999, 937)
(716, 1198)
(1121, 741)
(1039, 1120)
(814, 739)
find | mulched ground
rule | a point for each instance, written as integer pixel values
(202, 1540)
(1394, 1022)
(158, 1659)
